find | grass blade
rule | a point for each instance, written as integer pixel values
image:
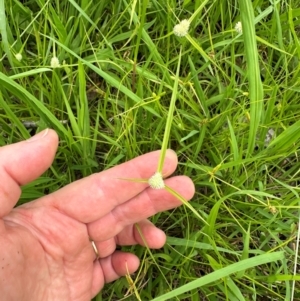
(169, 119)
(3, 31)
(254, 79)
(224, 272)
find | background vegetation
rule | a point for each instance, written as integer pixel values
(235, 127)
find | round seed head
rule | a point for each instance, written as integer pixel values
(54, 62)
(181, 29)
(19, 57)
(156, 181)
(238, 27)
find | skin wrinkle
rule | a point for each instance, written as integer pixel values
(9, 190)
(52, 272)
(106, 247)
(57, 262)
(117, 220)
(30, 228)
(72, 266)
(10, 175)
(146, 228)
(116, 239)
(130, 235)
(67, 279)
(97, 277)
(86, 212)
(107, 264)
(16, 231)
(99, 183)
(31, 220)
(111, 266)
(125, 216)
(121, 219)
(105, 197)
(119, 202)
(56, 277)
(135, 233)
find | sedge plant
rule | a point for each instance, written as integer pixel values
(156, 181)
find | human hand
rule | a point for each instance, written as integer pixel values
(46, 253)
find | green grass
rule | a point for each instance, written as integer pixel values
(109, 102)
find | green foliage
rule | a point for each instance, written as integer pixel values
(235, 127)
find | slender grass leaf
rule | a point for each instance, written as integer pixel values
(224, 272)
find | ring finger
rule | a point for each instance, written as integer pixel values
(141, 233)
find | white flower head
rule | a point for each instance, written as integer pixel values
(156, 181)
(269, 136)
(273, 209)
(181, 29)
(19, 57)
(238, 27)
(54, 62)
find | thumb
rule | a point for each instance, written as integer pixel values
(23, 162)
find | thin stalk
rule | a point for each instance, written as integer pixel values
(169, 118)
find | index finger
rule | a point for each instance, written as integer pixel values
(88, 199)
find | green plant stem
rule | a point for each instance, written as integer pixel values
(169, 119)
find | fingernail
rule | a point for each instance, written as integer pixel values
(38, 136)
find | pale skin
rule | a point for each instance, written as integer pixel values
(46, 253)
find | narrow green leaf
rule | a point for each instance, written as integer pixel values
(15, 120)
(30, 73)
(224, 272)
(185, 202)
(233, 142)
(169, 118)
(3, 32)
(254, 78)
